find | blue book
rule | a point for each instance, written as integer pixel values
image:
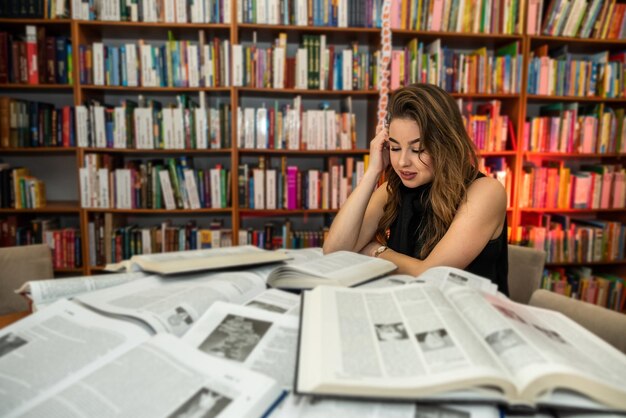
(61, 57)
(123, 67)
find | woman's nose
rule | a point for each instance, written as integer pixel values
(404, 160)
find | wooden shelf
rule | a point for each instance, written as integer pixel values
(69, 270)
(571, 40)
(51, 207)
(285, 212)
(295, 28)
(160, 211)
(579, 211)
(584, 99)
(508, 153)
(154, 89)
(463, 35)
(134, 151)
(534, 154)
(31, 21)
(306, 92)
(18, 86)
(163, 25)
(39, 150)
(304, 152)
(586, 263)
(486, 96)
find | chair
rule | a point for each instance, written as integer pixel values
(525, 272)
(606, 324)
(17, 266)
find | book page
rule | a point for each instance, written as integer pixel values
(44, 292)
(275, 300)
(47, 351)
(259, 340)
(534, 343)
(164, 377)
(295, 406)
(194, 260)
(172, 306)
(341, 268)
(395, 342)
(296, 256)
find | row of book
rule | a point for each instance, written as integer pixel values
(289, 127)
(34, 9)
(582, 283)
(554, 185)
(314, 66)
(600, 19)
(561, 73)
(571, 240)
(337, 13)
(111, 242)
(290, 187)
(19, 189)
(35, 58)
(172, 64)
(569, 129)
(172, 183)
(486, 125)
(486, 16)
(273, 237)
(149, 124)
(34, 124)
(499, 169)
(167, 11)
(479, 71)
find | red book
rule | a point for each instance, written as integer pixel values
(272, 117)
(66, 117)
(51, 59)
(31, 55)
(4, 57)
(57, 258)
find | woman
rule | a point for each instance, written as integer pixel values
(436, 208)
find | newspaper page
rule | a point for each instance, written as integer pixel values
(195, 260)
(395, 342)
(172, 306)
(260, 340)
(164, 377)
(44, 292)
(531, 343)
(47, 351)
(442, 277)
(295, 406)
(276, 300)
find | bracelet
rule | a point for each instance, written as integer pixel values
(379, 250)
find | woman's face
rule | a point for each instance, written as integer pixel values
(407, 156)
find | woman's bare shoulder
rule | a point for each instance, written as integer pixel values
(487, 189)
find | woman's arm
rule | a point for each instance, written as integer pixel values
(479, 219)
(355, 224)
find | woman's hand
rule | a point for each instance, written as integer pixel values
(379, 152)
(370, 248)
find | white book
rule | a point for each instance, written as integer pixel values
(82, 126)
(201, 128)
(98, 63)
(197, 11)
(192, 188)
(261, 12)
(227, 10)
(262, 133)
(207, 66)
(131, 65)
(270, 188)
(243, 237)
(214, 127)
(279, 68)
(167, 124)
(166, 190)
(216, 187)
(119, 135)
(226, 49)
(248, 127)
(103, 188)
(330, 123)
(123, 188)
(302, 68)
(146, 241)
(322, 63)
(193, 65)
(85, 187)
(346, 69)
(342, 14)
(146, 66)
(259, 188)
(99, 128)
(302, 18)
(181, 11)
(240, 131)
(313, 192)
(273, 12)
(178, 128)
(237, 65)
(169, 11)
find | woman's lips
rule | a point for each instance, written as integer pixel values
(407, 175)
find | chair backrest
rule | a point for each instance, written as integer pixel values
(606, 324)
(525, 272)
(17, 266)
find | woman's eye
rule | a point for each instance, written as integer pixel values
(418, 151)
(394, 149)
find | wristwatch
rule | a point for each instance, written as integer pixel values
(380, 250)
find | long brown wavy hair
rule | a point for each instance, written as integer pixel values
(453, 156)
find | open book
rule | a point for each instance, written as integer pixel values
(416, 341)
(198, 260)
(341, 268)
(68, 361)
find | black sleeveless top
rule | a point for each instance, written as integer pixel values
(492, 262)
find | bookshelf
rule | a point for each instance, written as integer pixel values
(494, 37)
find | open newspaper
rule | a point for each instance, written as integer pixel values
(415, 341)
(172, 306)
(260, 340)
(197, 260)
(66, 361)
(341, 268)
(44, 292)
